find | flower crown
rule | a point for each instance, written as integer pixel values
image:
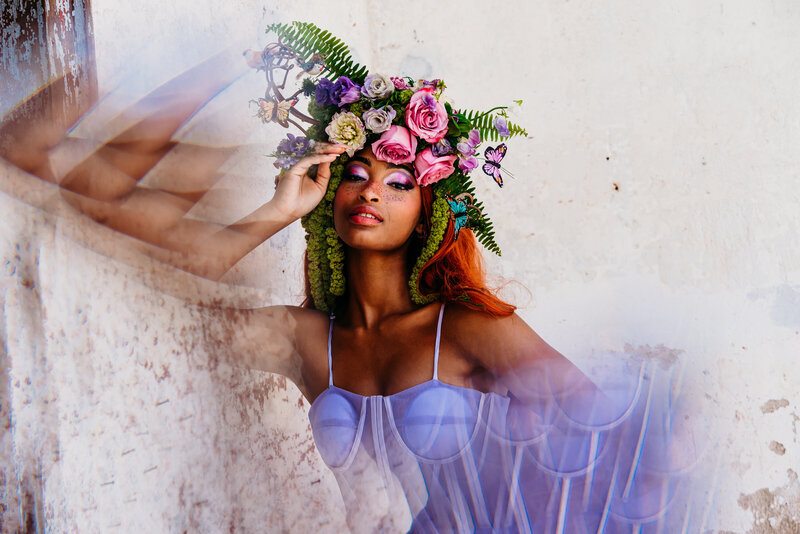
(402, 120)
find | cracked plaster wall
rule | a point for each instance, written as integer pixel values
(653, 210)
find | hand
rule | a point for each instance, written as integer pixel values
(297, 193)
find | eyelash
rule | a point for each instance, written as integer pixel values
(402, 186)
(353, 177)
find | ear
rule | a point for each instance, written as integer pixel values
(420, 229)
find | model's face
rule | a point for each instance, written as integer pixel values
(377, 205)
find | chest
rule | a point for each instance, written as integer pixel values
(377, 363)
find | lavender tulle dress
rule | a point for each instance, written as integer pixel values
(443, 458)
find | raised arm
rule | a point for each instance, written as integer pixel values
(203, 247)
(105, 184)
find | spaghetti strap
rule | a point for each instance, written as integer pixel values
(330, 365)
(438, 337)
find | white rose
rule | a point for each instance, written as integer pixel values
(347, 129)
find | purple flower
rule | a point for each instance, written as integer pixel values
(474, 138)
(467, 164)
(284, 162)
(294, 145)
(442, 148)
(345, 91)
(430, 101)
(291, 150)
(466, 151)
(501, 126)
(467, 145)
(433, 84)
(324, 93)
(299, 146)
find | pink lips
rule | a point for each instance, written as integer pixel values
(361, 215)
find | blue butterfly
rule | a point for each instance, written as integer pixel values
(459, 210)
(493, 158)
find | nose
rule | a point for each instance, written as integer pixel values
(371, 191)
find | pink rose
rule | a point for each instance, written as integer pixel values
(399, 83)
(396, 145)
(426, 116)
(431, 169)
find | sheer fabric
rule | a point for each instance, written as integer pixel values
(454, 459)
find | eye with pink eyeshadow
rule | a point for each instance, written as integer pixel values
(400, 180)
(356, 173)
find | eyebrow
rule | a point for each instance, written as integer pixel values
(367, 162)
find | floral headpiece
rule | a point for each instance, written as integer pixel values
(402, 120)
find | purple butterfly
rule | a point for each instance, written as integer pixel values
(493, 158)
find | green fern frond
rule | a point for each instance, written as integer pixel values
(482, 226)
(483, 122)
(307, 39)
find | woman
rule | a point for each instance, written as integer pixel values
(436, 406)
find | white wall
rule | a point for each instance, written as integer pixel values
(653, 210)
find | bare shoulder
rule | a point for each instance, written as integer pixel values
(514, 353)
(495, 343)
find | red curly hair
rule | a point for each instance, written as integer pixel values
(455, 273)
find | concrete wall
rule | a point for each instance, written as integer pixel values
(653, 210)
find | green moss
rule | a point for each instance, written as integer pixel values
(439, 220)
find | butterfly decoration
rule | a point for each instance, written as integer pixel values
(493, 158)
(272, 111)
(459, 210)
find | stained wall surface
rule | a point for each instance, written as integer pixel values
(652, 211)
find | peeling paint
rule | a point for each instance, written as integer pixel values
(777, 447)
(774, 511)
(774, 404)
(663, 355)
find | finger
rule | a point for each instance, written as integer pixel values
(301, 167)
(323, 175)
(329, 148)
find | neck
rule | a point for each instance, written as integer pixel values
(377, 286)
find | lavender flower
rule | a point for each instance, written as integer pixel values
(284, 162)
(430, 101)
(467, 164)
(466, 151)
(291, 150)
(501, 126)
(467, 145)
(442, 148)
